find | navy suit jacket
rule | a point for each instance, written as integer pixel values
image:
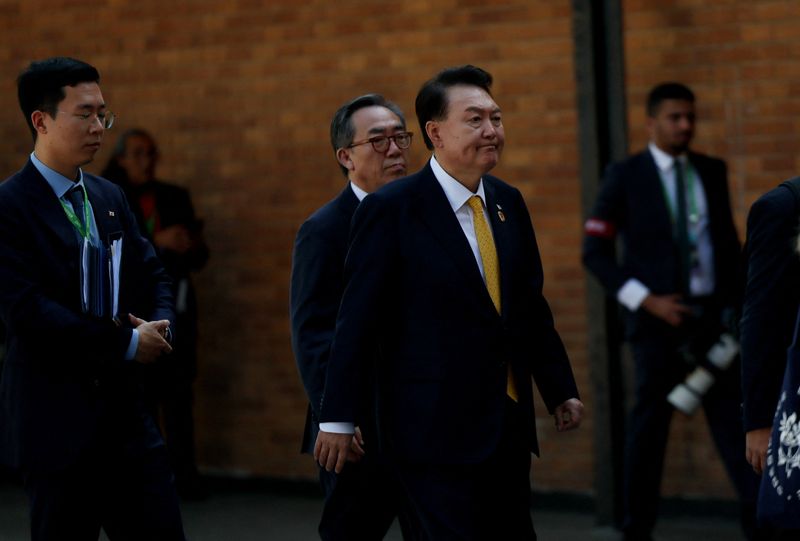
(771, 301)
(631, 204)
(316, 290)
(413, 291)
(65, 382)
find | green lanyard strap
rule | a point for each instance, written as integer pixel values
(82, 228)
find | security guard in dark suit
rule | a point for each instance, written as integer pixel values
(677, 279)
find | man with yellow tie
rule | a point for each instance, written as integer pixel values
(443, 277)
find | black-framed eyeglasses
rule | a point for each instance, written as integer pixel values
(381, 142)
(106, 118)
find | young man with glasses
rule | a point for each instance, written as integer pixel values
(370, 142)
(72, 419)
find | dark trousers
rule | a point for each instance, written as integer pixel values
(169, 396)
(476, 502)
(361, 502)
(659, 368)
(130, 497)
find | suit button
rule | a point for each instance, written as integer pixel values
(97, 383)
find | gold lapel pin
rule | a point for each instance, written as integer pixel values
(500, 213)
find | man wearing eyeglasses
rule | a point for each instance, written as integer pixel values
(72, 418)
(443, 277)
(370, 142)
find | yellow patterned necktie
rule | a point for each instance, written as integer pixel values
(491, 268)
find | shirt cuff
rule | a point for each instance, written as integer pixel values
(338, 428)
(133, 346)
(632, 294)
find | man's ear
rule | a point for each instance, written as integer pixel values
(432, 129)
(38, 121)
(343, 157)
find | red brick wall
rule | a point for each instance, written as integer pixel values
(741, 59)
(240, 95)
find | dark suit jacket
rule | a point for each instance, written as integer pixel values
(65, 382)
(174, 207)
(316, 290)
(771, 301)
(413, 290)
(631, 204)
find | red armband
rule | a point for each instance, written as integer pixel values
(595, 227)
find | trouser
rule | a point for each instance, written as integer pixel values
(129, 497)
(659, 368)
(475, 502)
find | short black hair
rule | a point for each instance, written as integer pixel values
(667, 91)
(342, 130)
(431, 103)
(40, 87)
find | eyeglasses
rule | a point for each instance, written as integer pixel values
(381, 142)
(106, 118)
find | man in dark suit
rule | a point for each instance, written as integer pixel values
(771, 302)
(71, 412)
(677, 279)
(455, 307)
(370, 142)
(166, 218)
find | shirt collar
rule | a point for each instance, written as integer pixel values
(360, 194)
(457, 194)
(664, 161)
(58, 182)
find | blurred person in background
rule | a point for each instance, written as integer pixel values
(166, 217)
(677, 278)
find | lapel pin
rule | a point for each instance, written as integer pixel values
(500, 213)
(111, 213)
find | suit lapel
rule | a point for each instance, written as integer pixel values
(45, 203)
(106, 216)
(347, 201)
(434, 210)
(651, 177)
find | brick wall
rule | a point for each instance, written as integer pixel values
(240, 95)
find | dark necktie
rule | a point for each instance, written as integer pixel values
(75, 196)
(681, 228)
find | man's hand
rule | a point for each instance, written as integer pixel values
(356, 447)
(666, 307)
(756, 442)
(152, 341)
(331, 450)
(175, 238)
(568, 415)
